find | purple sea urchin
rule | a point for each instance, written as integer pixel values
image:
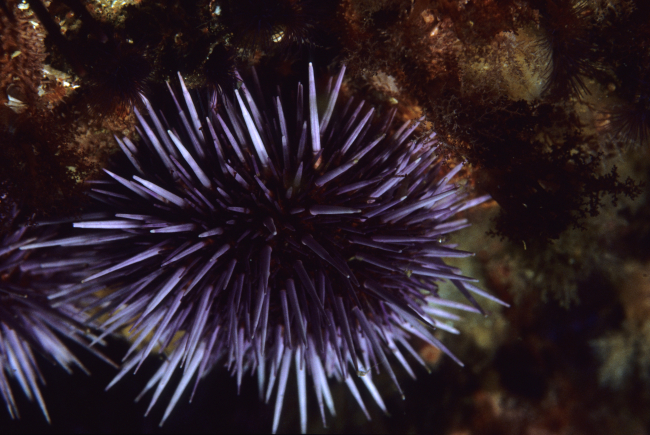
(29, 326)
(262, 235)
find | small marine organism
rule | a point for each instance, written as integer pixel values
(30, 328)
(260, 234)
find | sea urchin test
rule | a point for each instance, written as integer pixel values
(277, 240)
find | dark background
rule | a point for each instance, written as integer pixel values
(78, 403)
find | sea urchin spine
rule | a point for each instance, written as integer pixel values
(273, 236)
(29, 325)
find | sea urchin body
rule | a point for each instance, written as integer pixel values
(271, 237)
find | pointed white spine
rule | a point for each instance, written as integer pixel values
(190, 105)
(260, 149)
(313, 113)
